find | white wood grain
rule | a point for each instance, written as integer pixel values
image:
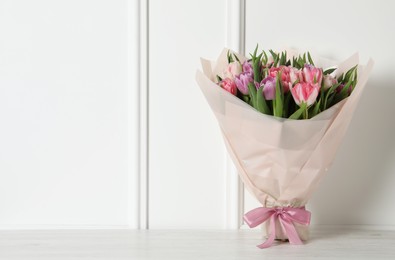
(326, 243)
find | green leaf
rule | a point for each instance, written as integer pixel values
(329, 71)
(237, 59)
(310, 59)
(299, 112)
(265, 59)
(246, 98)
(278, 104)
(344, 92)
(341, 95)
(274, 55)
(255, 51)
(330, 101)
(265, 72)
(286, 103)
(252, 92)
(315, 109)
(257, 68)
(350, 73)
(283, 58)
(300, 62)
(261, 104)
(340, 78)
(230, 59)
(328, 93)
(219, 78)
(276, 61)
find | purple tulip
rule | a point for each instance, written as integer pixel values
(269, 90)
(242, 81)
(247, 67)
(340, 88)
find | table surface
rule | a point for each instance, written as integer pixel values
(325, 243)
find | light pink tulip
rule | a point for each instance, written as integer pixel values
(233, 69)
(305, 93)
(329, 81)
(312, 74)
(290, 76)
(229, 85)
(295, 75)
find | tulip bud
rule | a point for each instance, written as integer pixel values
(305, 93)
(229, 85)
(329, 81)
(242, 81)
(233, 69)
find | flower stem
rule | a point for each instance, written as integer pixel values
(306, 113)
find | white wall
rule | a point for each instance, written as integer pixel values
(63, 113)
(103, 125)
(186, 162)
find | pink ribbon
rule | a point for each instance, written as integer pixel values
(286, 216)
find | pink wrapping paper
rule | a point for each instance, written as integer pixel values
(280, 161)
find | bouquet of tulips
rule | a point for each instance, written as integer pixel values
(280, 159)
(278, 86)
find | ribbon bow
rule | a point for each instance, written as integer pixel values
(285, 215)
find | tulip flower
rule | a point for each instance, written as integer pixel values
(233, 69)
(247, 67)
(312, 74)
(269, 87)
(329, 81)
(229, 85)
(305, 93)
(289, 76)
(341, 86)
(295, 76)
(242, 81)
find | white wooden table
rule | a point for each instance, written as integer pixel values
(325, 243)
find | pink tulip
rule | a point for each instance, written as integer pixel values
(274, 70)
(229, 85)
(312, 74)
(233, 69)
(295, 75)
(305, 93)
(289, 76)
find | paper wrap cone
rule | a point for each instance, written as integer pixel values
(280, 161)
